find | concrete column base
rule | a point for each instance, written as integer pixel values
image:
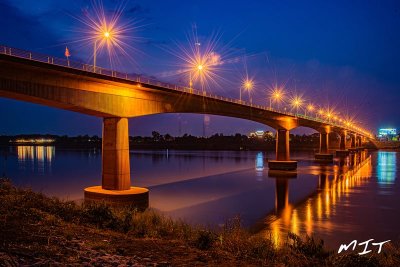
(353, 150)
(324, 157)
(342, 153)
(137, 197)
(280, 165)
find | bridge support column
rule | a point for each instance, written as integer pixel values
(342, 145)
(342, 152)
(116, 181)
(353, 146)
(359, 143)
(115, 157)
(282, 162)
(353, 141)
(323, 143)
(323, 155)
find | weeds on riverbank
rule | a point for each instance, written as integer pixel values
(30, 218)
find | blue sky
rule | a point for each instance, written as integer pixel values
(337, 53)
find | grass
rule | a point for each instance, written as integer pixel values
(34, 226)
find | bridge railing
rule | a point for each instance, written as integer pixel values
(140, 79)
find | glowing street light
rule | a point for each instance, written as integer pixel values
(198, 67)
(202, 62)
(329, 116)
(310, 108)
(320, 112)
(104, 36)
(247, 84)
(276, 96)
(297, 102)
(101, 30)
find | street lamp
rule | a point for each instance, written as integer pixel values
(310, 108)
(247, 84)
(329, 116)
(320, 113)
(297, 102)
(104, 36)
(276, 96)
(196, 67)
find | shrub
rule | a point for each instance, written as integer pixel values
(307, 247)
(100, 215)
(205, 239)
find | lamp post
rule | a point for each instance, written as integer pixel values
(105, 35)
(247, 85)
(297, 102)
(320, 113)
(310, 108)
(276, 96)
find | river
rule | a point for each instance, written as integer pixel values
(353, 198)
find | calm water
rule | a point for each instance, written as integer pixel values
(355, 198)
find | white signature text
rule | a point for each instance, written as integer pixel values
(365, 244)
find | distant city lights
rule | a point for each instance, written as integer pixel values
(33, 141)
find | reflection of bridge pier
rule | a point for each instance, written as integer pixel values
(353, 159)
(116, 180)
(281, 188)
(322, 181)
(342, 160)
(281, 193)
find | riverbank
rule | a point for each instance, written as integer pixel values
(35, 229)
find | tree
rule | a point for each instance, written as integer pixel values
(156, 136)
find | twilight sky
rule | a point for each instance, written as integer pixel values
(341, 54)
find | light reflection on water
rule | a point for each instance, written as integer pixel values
(35, 158)
(352, 198)
(386, 168)
(313, 214)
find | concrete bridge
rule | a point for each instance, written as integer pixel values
(116, 96)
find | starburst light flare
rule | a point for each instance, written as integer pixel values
(108, 34)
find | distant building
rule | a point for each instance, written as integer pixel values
(388, 134)
(33, 141)
(262, 134)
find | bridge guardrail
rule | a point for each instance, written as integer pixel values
(140, 79)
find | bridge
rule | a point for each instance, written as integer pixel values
(116, 96)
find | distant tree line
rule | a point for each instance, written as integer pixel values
(167, 141)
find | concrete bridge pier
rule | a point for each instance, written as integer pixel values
(342, 152)
(323, 155)
(359, 142)
(116, 181)
(282, 162)
(353, 146)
